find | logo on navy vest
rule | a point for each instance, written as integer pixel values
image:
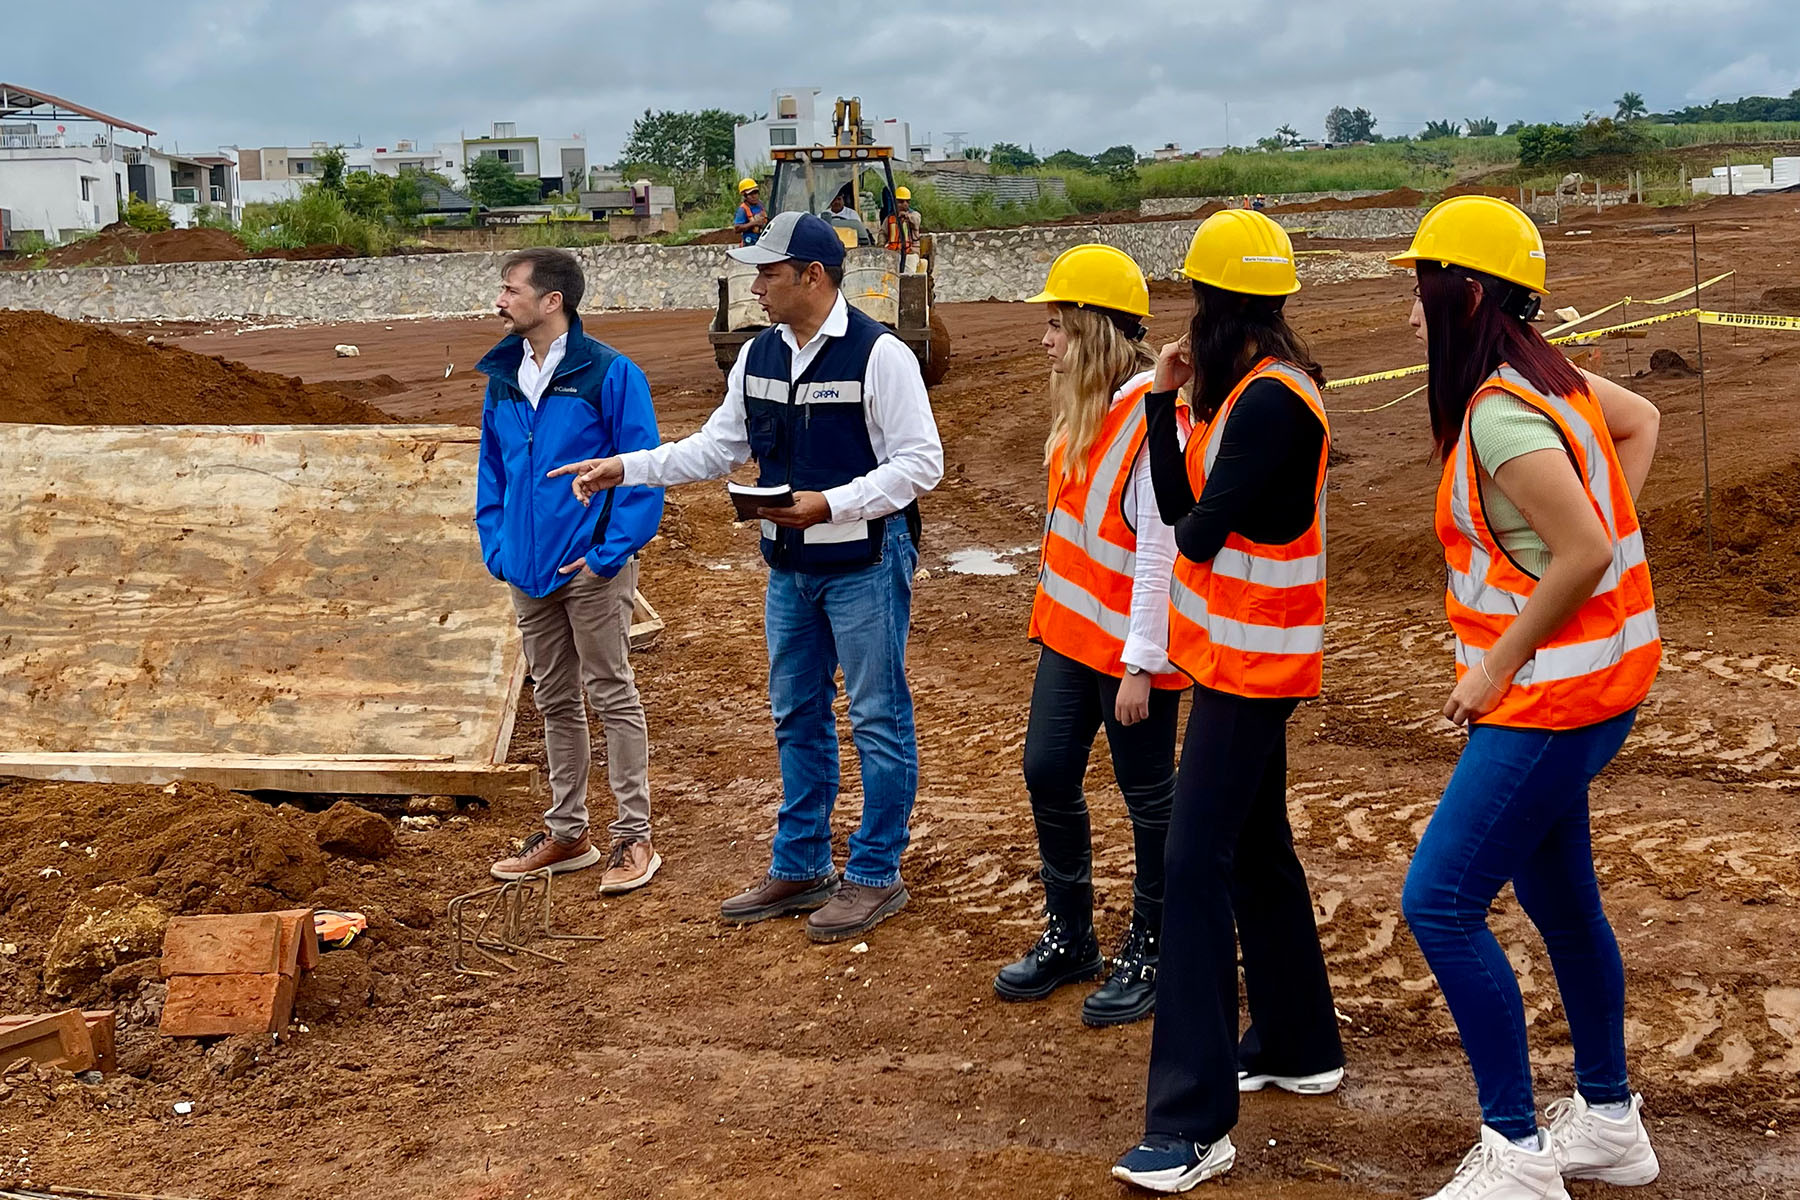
(825, 394)
(566, 391)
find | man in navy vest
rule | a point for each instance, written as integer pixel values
(831, 404)
(554, 392)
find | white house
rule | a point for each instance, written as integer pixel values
(559, 164)
(65, 169)
(796, 118)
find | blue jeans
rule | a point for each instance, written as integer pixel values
(1517, 809)
(814, 624)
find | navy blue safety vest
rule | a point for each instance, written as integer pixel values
(813, 434)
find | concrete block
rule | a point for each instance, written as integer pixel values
(223, 945)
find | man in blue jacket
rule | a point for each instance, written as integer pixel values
(554, 394)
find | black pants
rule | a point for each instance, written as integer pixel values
(1069, 703)
(1231, 853)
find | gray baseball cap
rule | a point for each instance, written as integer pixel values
(794, 235)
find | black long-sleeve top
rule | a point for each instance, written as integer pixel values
(1261, 486)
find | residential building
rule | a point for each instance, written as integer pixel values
(796, 118)
(279, 172)
(558, 164)
(66, 168)
(1167, 152)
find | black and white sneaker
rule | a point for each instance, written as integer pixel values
(1161, 1163)
(1321, 1084)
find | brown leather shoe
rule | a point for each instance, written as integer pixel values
(855, 909)
(541, 852)
(773, 897)
(629, 867)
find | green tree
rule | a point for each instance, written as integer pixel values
(150, 218)
(1545, 145)
(367, 194)
(1631, 107)
(1272, 143)
(1440, 129)
(1007, 156)
(1513, 128)
(331, 169)
(493, 183)
(1289, 135)
(975, 153)
(1349, 125)
(1482, 126)
(1068, 160)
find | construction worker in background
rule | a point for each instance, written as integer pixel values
(842, 214)
(749, 217)
(554, 392)
(1101, 616)
(904, 226)
(1556, 646)
(832, 403)
(1247, 624)
(1259, 203)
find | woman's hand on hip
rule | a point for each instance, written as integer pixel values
(1473, 696)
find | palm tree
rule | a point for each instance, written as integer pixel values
(1631, 107)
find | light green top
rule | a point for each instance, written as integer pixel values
(1501, 429)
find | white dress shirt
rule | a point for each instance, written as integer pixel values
(1147, 643)
(902, 432)
(534, 380)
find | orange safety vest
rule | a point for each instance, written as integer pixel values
(1082, 609)
(1251, 622)
(900, 233)
(1602, 661)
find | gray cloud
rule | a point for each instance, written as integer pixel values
(1051, 73)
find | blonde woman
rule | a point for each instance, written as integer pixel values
(1101, 618)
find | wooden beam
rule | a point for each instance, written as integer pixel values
(251, 773)
(645, 623)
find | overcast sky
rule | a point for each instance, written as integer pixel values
(1051, 73)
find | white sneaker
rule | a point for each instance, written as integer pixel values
(1301, 1085)
(1590, 1146)
(1498, 1170)
(1169, 1164)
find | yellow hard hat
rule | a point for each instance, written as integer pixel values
(901, 193)
(1096, 275)
(746, 185)
(1240, 250)
(1482, 233)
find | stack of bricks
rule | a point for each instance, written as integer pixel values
(235, 974)
(74, 1040)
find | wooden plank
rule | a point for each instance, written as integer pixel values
(223, 944)
(294, 591)
(61, 1040)
(514, 688)
(645, 623)
(250, 773)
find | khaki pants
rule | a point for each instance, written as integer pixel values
(576, 640)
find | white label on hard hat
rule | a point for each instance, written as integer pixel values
(1268, 258)
(1537, 254)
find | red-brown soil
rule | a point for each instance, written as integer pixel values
(58, 372)
(678, 1058)
(120, 245)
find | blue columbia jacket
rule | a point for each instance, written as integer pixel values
(597, 404)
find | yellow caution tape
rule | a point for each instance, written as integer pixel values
(1379, 407)
(1589, 335)
(1750, 320)
(1685, 292)
(1377, 377)
(1584, 320)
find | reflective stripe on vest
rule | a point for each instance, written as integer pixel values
(1082, 608)
(1251, 622)
(1602, 661)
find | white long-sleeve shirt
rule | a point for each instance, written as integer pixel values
(535, 380)
(902, 432)
(1147, 643)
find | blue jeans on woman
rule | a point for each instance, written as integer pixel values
(814, 624)
(1517, 809)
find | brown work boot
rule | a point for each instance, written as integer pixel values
(855, 909)
(541, 852)
(774, 897)
(629, 866)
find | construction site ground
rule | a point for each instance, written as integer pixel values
(681, 1058)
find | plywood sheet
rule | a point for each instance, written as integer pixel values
(313, 592)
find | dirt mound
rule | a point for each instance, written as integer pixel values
(120, 245)
(1755, 563)
(717, 237)
(1669, 363)
(59, 372)
(309, 253)
(1784, 300)
(1398, 198)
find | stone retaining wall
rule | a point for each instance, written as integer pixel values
(1000, 264)
(1181, 206)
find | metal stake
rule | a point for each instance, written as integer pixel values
(1700, 345)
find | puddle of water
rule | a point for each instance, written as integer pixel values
(976, 561)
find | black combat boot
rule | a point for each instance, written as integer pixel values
(1067, 952)
(1129, 993)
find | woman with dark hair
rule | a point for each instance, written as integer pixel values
(1101, 614)
(1556, 645)
(1247, 624)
